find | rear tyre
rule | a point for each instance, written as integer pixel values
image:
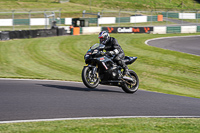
(90, 80)
(131, 87)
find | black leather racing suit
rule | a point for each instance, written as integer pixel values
(113, 45)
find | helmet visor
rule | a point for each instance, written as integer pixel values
(102, 40)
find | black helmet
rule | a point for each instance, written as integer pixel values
(104, 37)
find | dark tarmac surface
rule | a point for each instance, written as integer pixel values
(187, 44)
(35, 99)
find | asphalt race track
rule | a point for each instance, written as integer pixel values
(41, 99)
(185, 44)
(36, 99)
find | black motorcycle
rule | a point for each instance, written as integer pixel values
(101, 69)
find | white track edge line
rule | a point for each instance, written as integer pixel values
(84, 118)
(146, 42)
(45, 80)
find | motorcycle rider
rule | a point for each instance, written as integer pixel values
(112, 47)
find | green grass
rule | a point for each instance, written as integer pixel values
(74, 8)
(136, 125)
(141, 4)
(61, 58)
(123, 4)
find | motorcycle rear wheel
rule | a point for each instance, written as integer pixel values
(90, 80)
(130, 87)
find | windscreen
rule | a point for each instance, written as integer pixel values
(95, 46)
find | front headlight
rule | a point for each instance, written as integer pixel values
(86, 56)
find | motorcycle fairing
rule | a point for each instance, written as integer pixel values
(129, 60)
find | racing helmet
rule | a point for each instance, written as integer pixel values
(104, 37)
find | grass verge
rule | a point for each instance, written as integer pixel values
(136, 125)
(61, 58)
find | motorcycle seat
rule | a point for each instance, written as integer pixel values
(129, 60)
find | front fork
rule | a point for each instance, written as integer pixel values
(94, 70)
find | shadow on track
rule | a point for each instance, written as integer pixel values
(78, 88)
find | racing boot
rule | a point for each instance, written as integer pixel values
(127, 75)
(125, 72)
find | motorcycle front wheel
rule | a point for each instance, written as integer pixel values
(89, 79)
(131, 87)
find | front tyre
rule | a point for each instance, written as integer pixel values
(89, 79)
(129, 86)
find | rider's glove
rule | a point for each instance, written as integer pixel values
(102, 53)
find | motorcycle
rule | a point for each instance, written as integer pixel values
(100, 69)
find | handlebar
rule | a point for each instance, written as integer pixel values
(109, 56)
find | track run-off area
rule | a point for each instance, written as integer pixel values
(23, 100)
